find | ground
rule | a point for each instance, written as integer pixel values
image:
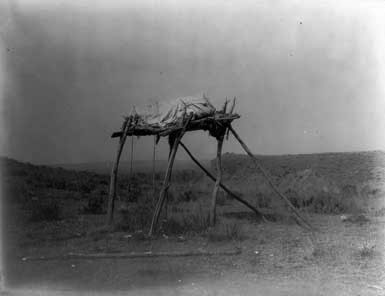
(340, 258)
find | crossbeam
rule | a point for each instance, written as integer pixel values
(198, 124)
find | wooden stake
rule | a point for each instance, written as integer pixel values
(114, 176)
(244, 202)
(283, 197)
(224, 107)
(166, 183)
(230, 112)
(232, 106)
(217, 182)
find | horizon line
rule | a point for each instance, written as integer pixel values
(188, 159)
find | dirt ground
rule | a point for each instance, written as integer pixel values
(276, 258)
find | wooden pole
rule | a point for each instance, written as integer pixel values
(166, 183)
(220, 137)
(283, 197)
(114, 176)
(153, 165)
(166, 195)
(163, 192)
(171, 140)
(228, 191)
(130, 173)
(218, 180)
(132, 156)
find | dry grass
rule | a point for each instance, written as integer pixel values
(229, 231)
(135, 216)
(193, 220)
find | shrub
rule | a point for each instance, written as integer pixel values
(85, 188)
(133, 191)
(186, 196)
(195, 220)
(95, 205)
(221, 198)
(174, 226)
(380, 212)
(170, 196)
(176, 209)
(233, 231)
(104, 182)
(16, 191)
(293, 197)
(263, 201)
(47, 211)
(136, 216)
(326, 203)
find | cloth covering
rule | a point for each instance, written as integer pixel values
(170, 113)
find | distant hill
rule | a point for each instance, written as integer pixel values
(344, 166)
(349, 166)
(142, 166)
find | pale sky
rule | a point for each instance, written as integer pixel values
(309, 75)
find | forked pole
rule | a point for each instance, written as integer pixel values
(114, 174)
(166, 182)
(264, 173)
(220, 137)
(217, 181)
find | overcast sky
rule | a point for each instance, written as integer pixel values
(309, 75)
